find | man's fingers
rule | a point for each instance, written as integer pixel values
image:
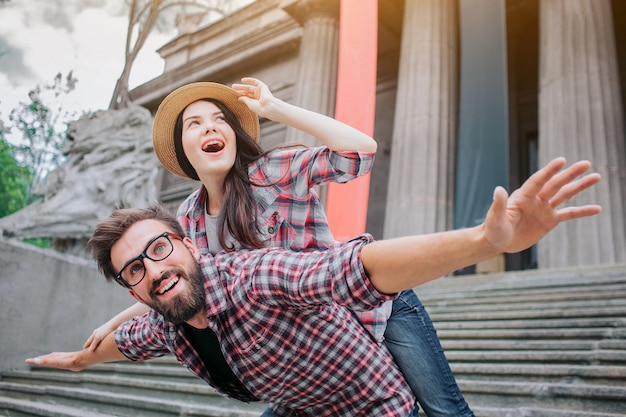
(89, 341)
(536, 182)
(571, 213)
(570, 190)
(498, 206)
(561, 179)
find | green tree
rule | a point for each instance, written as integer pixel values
(14, 184)
(14, 179)
(42, 124)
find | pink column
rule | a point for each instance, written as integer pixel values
(346, 206)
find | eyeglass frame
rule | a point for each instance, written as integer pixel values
(143, 255)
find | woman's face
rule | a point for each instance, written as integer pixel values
(208, 141)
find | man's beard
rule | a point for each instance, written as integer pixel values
(184, 306)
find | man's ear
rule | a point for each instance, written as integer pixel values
(192, 248)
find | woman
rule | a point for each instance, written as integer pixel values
(250, 199)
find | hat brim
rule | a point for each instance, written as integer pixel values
(177, 101)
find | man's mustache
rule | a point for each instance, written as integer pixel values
(166, 275)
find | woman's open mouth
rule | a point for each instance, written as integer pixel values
(213, 146)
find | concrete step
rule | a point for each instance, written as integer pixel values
(509, 299)
(531, 345)
(521, 306)
(118, 383)
(153, 388)
(131, 404)
(558, 373)
(523, 333)
(609, 357)
(557, 396)
(551, 323)
(532, 311)
(17, 408)
(524, 411)
(476, 299)
(451, 288)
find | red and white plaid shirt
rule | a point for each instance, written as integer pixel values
(285, 331)
(289, 212)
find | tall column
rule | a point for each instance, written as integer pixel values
(580, 117)
(316, 80)
(421, 178)
(347, 204)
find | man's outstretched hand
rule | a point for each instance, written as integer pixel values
(77, 361)
(516, 222)
(70, 361)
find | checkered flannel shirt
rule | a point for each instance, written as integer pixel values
(290, 214)
(278, 315)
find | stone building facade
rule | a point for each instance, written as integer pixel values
(470, 94)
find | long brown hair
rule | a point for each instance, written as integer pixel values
(238, 214)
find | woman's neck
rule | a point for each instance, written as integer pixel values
(215, 197)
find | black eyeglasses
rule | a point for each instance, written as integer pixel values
(134, 271)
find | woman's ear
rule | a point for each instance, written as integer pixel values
(192, 248)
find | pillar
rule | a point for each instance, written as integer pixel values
(316, 80)
(421, 178)
(580, 117)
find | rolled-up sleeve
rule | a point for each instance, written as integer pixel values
(300, 169)
(340, 167)
(138, 339)
(354, 164)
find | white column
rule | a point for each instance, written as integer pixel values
(421, 178)
(580, 117)
(316, 80)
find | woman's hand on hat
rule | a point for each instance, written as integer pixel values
(255, 94)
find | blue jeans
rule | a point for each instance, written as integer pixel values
(412, 340)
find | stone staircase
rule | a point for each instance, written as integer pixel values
(535, 343)
(158, 388)
(521, 344)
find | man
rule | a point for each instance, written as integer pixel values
(269, 324)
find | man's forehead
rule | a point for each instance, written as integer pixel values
(135, 239)
(144, 230)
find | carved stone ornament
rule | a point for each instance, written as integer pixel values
(110, 164)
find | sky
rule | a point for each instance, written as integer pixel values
(40, 38)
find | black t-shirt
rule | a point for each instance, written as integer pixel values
(208, 347)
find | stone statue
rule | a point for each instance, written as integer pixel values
(111, 164)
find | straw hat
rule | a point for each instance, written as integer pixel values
(175, 103)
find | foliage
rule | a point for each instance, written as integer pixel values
(39, 242)
(14, 183)
(142, 18)
(43, 128)
(14, 180)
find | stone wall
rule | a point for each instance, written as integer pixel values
(50, 302)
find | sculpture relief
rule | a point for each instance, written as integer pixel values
(111, 163)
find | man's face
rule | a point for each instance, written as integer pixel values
(173, 286)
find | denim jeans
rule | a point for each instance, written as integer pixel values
(412, 340)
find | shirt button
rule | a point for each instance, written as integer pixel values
(257, 346)
(270, 230)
